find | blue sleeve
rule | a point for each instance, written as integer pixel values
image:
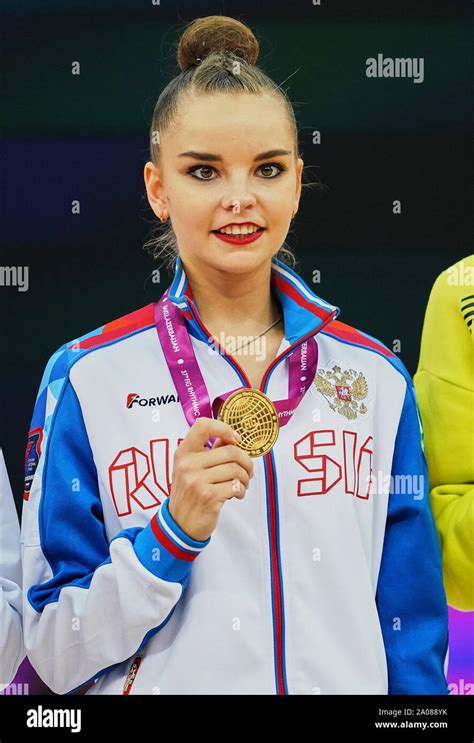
(410, 598)
(78, 582)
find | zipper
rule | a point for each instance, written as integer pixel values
(272, 500)
(277, 587)
(272, 507)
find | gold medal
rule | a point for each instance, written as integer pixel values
(254, 416)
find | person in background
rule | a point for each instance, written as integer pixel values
(444, 384)
(11, 633)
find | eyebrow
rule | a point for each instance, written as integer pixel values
(209, 156)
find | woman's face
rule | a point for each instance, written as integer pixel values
(201, 195)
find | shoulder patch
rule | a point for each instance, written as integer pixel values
(32, 455)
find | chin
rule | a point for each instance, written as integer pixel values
(242, 261)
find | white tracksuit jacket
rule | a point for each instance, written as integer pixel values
(325, 579)
(11, 632)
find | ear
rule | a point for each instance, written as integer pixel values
(155, 189)
(299, 175)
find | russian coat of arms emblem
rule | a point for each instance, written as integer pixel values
(345, 391)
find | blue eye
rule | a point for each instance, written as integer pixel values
(280, 168)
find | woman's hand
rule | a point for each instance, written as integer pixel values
(204, 479)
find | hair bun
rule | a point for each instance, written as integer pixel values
(216, 33)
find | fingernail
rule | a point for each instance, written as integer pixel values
(237, 436)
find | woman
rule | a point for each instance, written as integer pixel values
(444, 384)
(273, 563)
(11, 632)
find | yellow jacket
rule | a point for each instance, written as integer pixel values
(444, 384)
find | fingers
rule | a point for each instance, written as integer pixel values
(229, 471)
(227, 453)
(227, 490)
(203, 429)
(236, 490)
(218, 442)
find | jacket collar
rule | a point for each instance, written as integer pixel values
(303, 311)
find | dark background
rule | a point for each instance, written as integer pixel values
(85, 137)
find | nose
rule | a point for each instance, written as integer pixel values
(238, 198)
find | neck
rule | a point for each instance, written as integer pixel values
(234, 303)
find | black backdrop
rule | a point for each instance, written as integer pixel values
(85, 137)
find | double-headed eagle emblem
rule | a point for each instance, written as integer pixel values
(344, 391)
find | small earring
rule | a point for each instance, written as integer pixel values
(163, 220)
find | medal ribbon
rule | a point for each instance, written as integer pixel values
(189, 382)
